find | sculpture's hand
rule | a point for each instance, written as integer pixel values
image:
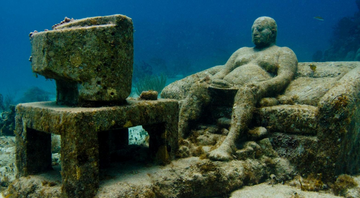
(258, 88)
(220, 83)
(206, 79)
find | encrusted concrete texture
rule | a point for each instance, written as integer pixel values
(314, 122)
(91, 59)
(189, 177)
(339, 119)
(335, 70)
(80, 129)
(297, 119)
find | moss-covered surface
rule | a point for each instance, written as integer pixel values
(189, 177)
(316, 141)
(80, 129)
(343, 183)
(299, 119)
(339, 118)
(314, 123)
(92, 56)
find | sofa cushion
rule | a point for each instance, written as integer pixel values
(296, 119)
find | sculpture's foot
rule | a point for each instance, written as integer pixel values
(221, 154)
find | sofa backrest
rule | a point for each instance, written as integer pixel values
(313, 80)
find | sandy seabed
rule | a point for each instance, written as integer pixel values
(139, 173)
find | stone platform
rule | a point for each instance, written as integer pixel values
(88, 136)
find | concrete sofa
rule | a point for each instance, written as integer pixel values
(314, 123)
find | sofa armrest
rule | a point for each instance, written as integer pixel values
(338, 134)
(341, 100)
(179, 89)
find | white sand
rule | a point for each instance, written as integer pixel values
(265, 190)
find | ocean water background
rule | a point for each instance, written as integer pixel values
(199, 34)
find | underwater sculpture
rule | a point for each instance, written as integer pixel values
(91, 61)
(313, 125)
(313, 122)
(261, 71)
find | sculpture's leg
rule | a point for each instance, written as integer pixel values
(192, 106)
(244, 105)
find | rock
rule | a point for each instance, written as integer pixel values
(7, 161)
(223, 122)
(183, 152)
(257, 133)
(267, 148)
(148, 95)
(245, 153)
(207, 139)
(343, 183)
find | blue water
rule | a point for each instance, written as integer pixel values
(201, 33)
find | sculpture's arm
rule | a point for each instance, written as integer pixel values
(287, 63)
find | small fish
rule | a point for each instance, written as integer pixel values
(312, 67)
(319, 18)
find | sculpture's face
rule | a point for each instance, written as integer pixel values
(263, 33)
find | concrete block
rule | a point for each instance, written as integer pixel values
(90, 59)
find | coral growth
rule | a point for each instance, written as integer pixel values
(66, 20)
(7, 115)
(342, 184)
(7, 101)
(35, 94)
(149, 95)
(7, 121)
(151, 83)
(7, 105)
(142, 69)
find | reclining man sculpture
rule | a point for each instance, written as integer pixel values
(261, 71)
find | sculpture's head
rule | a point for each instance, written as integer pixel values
(264, 31)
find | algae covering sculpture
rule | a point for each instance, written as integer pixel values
(91, 59)
(254, 72)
